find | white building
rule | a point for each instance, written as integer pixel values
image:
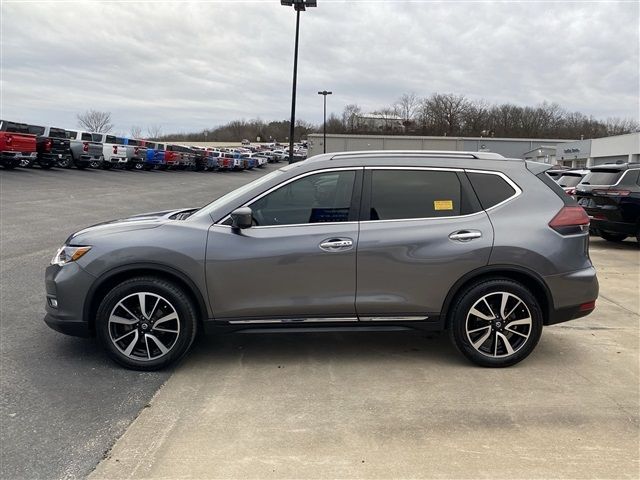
(597, 151)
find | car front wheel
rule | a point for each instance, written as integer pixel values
(496, 323)
(146, 323)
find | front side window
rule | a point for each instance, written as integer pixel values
(318, 198)
(404, 194)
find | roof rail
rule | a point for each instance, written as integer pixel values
(423, 153)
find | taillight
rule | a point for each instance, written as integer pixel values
(85, 146)
(612, 193)
(115, 149)
(588, 306)
(570, 191)
(136, 150)
(570, 220)
(9, 139)
(47, 145)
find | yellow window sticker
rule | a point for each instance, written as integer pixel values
(443, 204)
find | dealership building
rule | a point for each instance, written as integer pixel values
(571, 153)
(598, 151)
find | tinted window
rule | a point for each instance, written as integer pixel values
(35, 130)
(399, 194)
(110, 139)
(71, 134)
(569, 180)
(323, 197)
(602, 177)
(120, 141)
(96, 137)
(57, 133)
(490, 189)
(15, 127)
(86, 137)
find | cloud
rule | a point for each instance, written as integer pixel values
(194, 65)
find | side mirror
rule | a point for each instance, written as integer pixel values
(242, 218)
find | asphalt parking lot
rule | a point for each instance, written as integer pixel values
(349, 405)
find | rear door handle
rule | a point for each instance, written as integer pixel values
(465, 235)
(335, 244)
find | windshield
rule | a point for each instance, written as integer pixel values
(237, 193)
(569, 180)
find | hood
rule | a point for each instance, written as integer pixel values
(135, 222)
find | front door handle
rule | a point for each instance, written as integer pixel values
(465, 235)
(336, 244)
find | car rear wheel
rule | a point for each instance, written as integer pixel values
(613, 237)
(496, 323)
(146, 323)
(65, 162)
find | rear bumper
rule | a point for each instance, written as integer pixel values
(614, 227)
(571, 293)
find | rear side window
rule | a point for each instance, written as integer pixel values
(71, 134)
(400, 194)
(110, 139)
(602, 177)
(491, 189)
(87, 137)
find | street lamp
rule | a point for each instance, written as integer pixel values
(324, 93)
(299, 6)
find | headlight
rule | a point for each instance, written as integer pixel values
(68, 253)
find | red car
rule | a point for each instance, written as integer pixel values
(16, 144)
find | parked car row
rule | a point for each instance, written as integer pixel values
(610, 194)
(23, 145)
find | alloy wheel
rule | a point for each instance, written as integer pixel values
(144, 326)
(498, 324)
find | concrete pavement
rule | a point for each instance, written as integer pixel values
(401, 405)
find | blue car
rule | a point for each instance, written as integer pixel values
(155, 156)
(249, 163)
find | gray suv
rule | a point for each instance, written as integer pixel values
(488, 248)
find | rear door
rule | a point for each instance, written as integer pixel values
(422, 229)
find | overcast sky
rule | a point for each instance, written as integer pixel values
(192, 65)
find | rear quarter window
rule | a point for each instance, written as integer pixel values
(491, 189)
(87, 137)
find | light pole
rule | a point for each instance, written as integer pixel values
(299, 6)
(324, 93)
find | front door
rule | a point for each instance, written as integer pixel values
(298, 261)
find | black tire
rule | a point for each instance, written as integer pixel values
(174, 299)
(106, 165)
(492, 351)
(26, 163)
(613, 237)
(45, 166)
(65, 162)
(81, 165)
(9, 165)
(148, 168)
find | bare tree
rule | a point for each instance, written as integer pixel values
(154, 131)
(407, 106)
(95, 121)
(136, 131)
(350, 116)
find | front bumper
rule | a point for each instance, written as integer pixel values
(69, 286)
(570, 293)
